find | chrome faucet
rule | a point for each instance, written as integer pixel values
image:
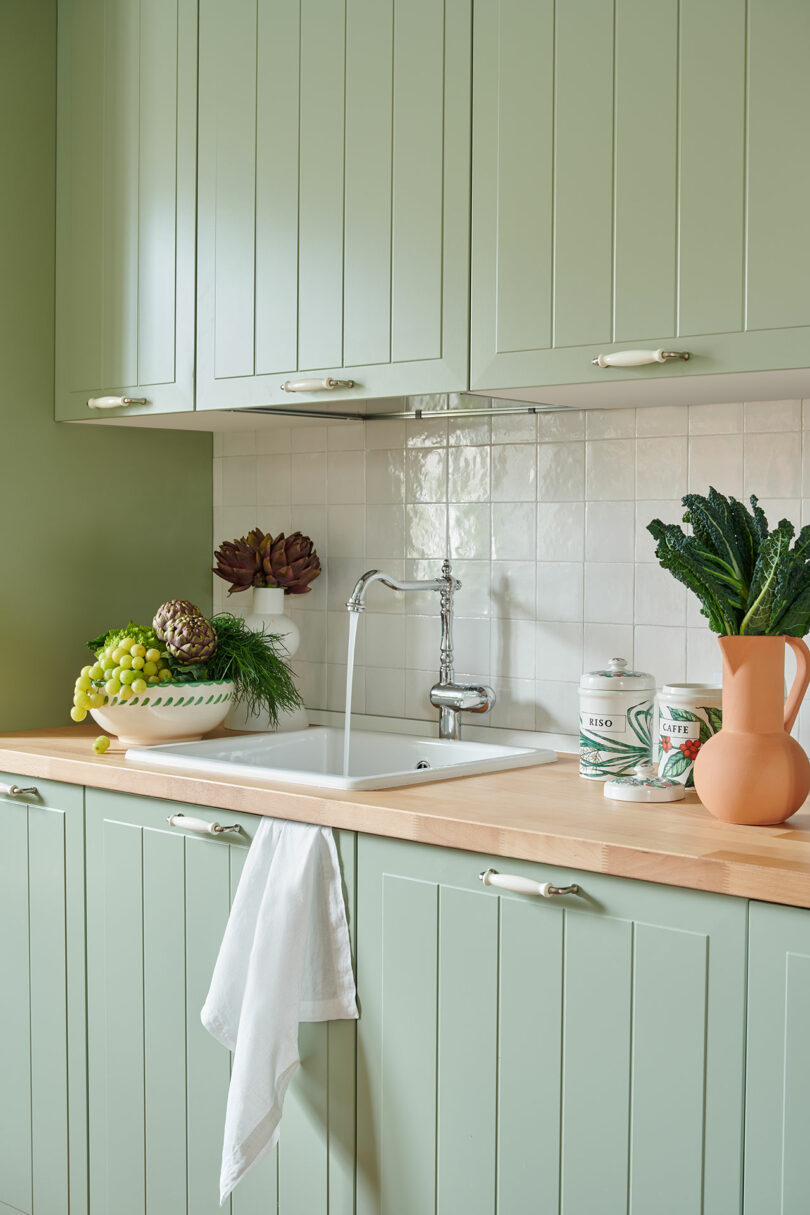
(450, 698)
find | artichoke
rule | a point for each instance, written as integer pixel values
(190, 638)
(290, 562)
(167, 611)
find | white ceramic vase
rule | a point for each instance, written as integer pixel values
(267, 614)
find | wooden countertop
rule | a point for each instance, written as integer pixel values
(547, 814)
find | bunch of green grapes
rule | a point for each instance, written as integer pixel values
(122, 670)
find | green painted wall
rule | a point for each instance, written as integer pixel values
(96, 524)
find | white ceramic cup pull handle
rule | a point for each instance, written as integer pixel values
(200, 825)
(521, 885)
(16, 791)
(115, 402)
(639, 358)
(324, 385)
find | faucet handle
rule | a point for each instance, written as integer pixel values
(467, 698)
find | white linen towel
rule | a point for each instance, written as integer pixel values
(285, 958)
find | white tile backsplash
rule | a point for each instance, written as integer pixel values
(544, 517)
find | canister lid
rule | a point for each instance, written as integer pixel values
(645, 786)
(615, 677)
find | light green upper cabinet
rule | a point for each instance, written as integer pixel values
(636, 181)
(125, 226)
(43, 1133)
(158, 900)
(333, 210)
(777, 1165)
(579, 1054)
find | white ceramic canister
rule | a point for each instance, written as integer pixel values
(688, 715)
(615, 720)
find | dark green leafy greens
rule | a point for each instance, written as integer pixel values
(256, 662)
(749, 579)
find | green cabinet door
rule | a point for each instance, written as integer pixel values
(125, 219)
(43, 1141)
(635, 184)
(158, 900)
(777, 1106)
(579, 1054)
(333, 207)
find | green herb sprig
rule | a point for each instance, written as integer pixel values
(749, 580)
(255, 662)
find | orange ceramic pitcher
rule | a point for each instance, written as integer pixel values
(752, 771)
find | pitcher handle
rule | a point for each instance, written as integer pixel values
(800, 683)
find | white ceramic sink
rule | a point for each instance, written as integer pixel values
(315, 757)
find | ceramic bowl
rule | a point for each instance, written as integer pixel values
(167, 712)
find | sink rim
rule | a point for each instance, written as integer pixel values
(186, 758)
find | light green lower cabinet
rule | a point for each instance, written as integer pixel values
(43, 1139)
(777, 1116)
(580, 1055)
(157, 903)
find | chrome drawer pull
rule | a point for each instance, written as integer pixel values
(639, 358)
(315, 385)
(114, 402)
(199, 824)
(16, 791)
(522, 885)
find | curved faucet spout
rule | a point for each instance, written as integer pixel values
(356, 601)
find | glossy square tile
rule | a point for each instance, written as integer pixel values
(426, 530)
(426, 432)
(513, 427)
(609, 592)
(560, 531)
(384, 639)
(560, 425)
(475, 596)
(560, 471)
(346, 476)
(514, 705)
(558, 650)
(469, 474)
(238, 480)
(426, 475)
(387, 433)
(337, 639)
(723, 419)
(308, 477)
(512, 648)
(312, 646)
(308, 437)
(658, 420)
(471, 637)
(716, 460)
(346, 531)
(610, 469)
(773, 465)
(661, 467)
(385, 692)
(385, 476)
(514, 473)
(273, 480)
(610, 423)
(271, 439)
(422, 642)
(557, 708)
(311, 680)
(660, 598)
(469, 525)
(762, 416)
(349, 436)
(560, 590)
(662, 652)
(609, 531)
(512, 590)
(703, 658)
(513, 530)
(385, 530)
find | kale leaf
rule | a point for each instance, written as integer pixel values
(749, 579)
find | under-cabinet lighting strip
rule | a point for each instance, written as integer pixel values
(410, 414)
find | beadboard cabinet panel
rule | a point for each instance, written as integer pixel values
(126, 185)
(333, 203)
(635, 183)
(42, 1093)
(583, 1053)
(158, 899)
(777, 1169)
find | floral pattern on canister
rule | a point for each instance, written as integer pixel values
(681, 734)
(602, 755)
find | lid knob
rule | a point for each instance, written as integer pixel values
(646, 770)
(617, 664)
